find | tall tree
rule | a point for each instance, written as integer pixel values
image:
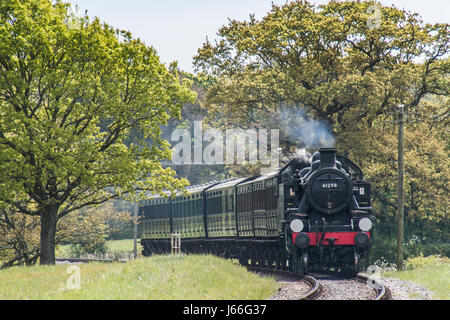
(342, 62)
(71, 89)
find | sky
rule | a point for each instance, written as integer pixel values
(177, 28)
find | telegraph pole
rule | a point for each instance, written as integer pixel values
(400, 199)
(400, 178)
(135, 230)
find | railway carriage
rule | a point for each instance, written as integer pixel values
(305, 215)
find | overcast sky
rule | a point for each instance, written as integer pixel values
(177, 28)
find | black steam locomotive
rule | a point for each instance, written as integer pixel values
(306, 215)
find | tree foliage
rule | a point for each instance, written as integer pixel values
(19, 239)
(88, 229)
(427, 168)
(71, 90)
(325, 59)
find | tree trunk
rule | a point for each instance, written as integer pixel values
(49, 217)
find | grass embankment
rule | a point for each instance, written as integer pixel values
(432, 272)
(157, 277)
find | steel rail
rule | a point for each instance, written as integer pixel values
(383, 292)
(316, 287)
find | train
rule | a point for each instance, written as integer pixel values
(311, 214)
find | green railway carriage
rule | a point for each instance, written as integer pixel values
(243, 209)
(187, 214)
(161, 216)
(155, 218)
(257, 210)
(220, 211)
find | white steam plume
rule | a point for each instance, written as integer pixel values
(300, 129)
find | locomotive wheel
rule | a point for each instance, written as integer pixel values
(261, 258)
(285, 261)
(272, 262)
(356, 259)
(305, 262)
(243, 257)
(253, 257)
(297, 264)
(279, 261)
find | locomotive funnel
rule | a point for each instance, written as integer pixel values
(327, 157)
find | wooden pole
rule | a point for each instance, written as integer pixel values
(400, 199)
(175, 243)
(135, 230)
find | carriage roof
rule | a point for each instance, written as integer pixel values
(211, 186)
(227, 184)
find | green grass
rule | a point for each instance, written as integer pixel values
(432, 272)
(157, 277)
(125, 245)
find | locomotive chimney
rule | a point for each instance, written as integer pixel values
(327, 157)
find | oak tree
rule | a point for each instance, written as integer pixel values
(71, 90)
(343, 62)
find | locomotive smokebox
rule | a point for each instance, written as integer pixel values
(327, 157)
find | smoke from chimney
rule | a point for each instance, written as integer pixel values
(300, 129)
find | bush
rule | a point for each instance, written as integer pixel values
(80, 249)
(424, 262)
(385, 249)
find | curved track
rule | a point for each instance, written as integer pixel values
(315, 286)
(381, 291)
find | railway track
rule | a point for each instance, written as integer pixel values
(315, 286)
(382, 292)
(317, 289)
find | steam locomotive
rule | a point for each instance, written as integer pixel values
(308, 215)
